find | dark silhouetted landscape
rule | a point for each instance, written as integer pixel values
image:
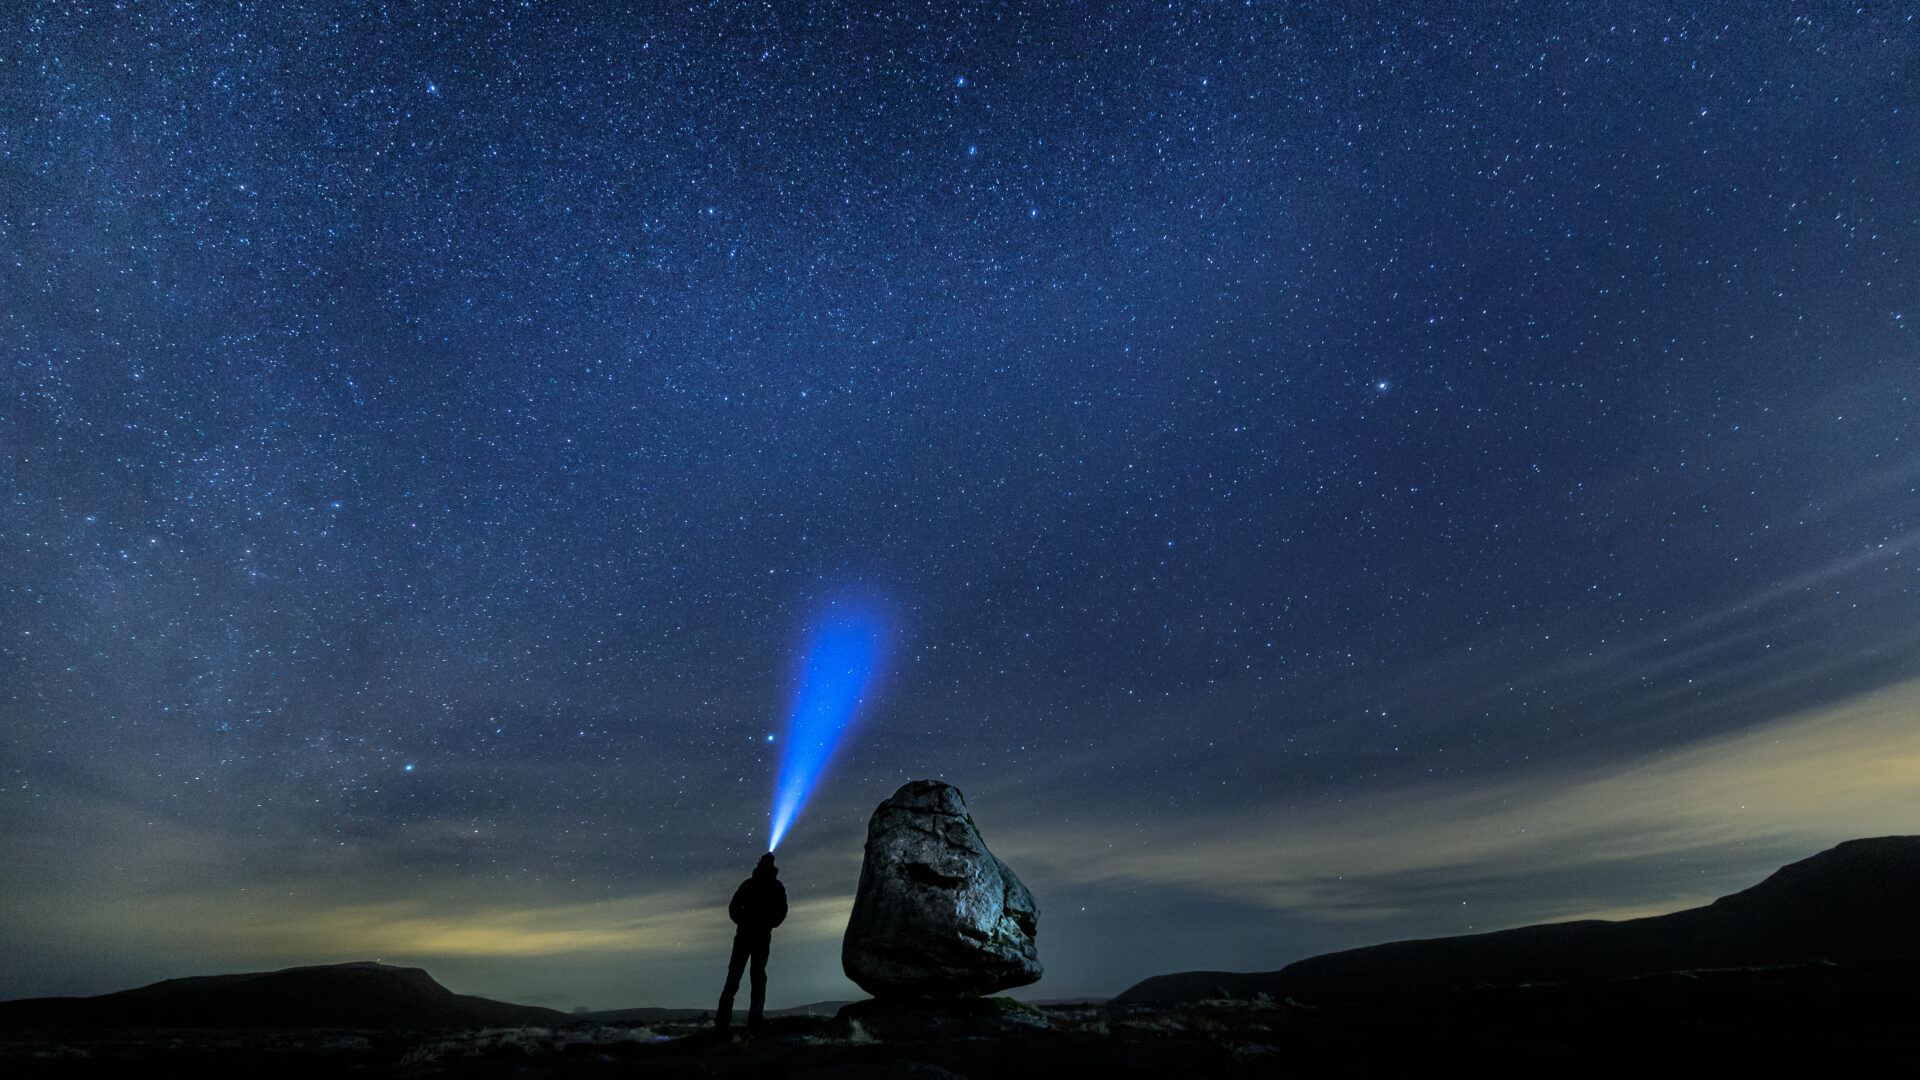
(1816, 966)
(1852, 906)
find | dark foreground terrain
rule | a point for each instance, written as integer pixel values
(1821, 1017)
(1816, 969)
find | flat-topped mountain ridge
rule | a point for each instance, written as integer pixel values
(1852, 905)
(354, 995)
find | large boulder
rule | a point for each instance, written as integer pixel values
(937, 914)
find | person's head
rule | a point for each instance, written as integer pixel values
(765, 867)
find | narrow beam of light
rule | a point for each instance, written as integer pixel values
(844, 649)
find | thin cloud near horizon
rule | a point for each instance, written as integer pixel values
(1795, 785)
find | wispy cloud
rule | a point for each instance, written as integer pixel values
(234, 927)
(1799, 783)
(659, 924)
(1601, 840)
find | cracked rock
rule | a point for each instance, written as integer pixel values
(937, 914)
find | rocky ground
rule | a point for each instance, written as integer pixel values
(1811, 1017)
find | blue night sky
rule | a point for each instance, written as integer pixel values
(1335, 472)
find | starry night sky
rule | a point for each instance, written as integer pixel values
(1338, 473)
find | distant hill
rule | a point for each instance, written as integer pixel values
(1853, 905)
(360, 995)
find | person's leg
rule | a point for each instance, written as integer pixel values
(757, 996)
(736, 963)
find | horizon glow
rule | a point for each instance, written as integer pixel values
(843, 656)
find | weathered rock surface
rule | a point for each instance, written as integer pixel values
(937, 913)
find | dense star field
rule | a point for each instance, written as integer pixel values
(1331, 475)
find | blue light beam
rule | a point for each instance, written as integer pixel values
(843, 655)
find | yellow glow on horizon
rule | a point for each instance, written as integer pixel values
(1814, 778)
(650, 925)
(1803, 782)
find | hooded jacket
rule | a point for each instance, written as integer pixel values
(760, 903)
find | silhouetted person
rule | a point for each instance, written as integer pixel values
(759, 905)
